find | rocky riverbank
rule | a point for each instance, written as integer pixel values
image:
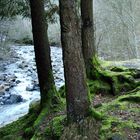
(19, 82)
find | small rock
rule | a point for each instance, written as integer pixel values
(2, 77)
(30, 88)
(1, 103)
(117, 137)
(36, 87)
(1, 59)
(7, 88)
(2, 89)
(14, 99)
(18, 81)
(11, 79)
(30, 71)
(8, 102)
(6, 96)
(22, 65)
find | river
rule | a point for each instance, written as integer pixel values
(26, 82)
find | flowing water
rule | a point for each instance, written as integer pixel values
(24, 69)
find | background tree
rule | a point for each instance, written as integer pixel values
(42, 51)
(88, 46)
(117, 29)
(75, 76)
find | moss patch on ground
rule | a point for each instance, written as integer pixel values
(121, 117)
(18, 128)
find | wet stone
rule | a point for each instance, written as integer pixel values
(18, 81)
(7, 96)
(14, 99)
(30, 88)
(117, 137)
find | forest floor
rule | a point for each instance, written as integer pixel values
(120, 112)
(115, 118)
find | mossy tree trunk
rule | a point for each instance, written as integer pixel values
(88, 45)
(94, 69)
(74, 68)
(42, 50)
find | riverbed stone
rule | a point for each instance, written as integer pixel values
(7, 96)
(22, 65)
(30, 88)
(18, 81)
(14, 99)
(2, 89)
(118, 137)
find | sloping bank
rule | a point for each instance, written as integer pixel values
(115, 119)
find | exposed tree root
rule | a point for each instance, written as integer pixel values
(116, 79)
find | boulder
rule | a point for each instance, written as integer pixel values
(2, 90)
(18, 81)
(14, 99)
(30, 88)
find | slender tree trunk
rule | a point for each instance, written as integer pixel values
(75, 75)
(88, 45)
(42, 49)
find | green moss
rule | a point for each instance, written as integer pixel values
(29, 132)
(34, 106)
(106, 64)
(28, 125)
(95, 114)
(85, 129)
(133, 96)
(12, 137)
(16, 129)
(50, 99)
(97, 87)
(120, 103)
(44, 112)
(112, 125)
(52, 104)
(56, 126)
(119, 69)
(62, 92)
(102, 82)
(113, 79)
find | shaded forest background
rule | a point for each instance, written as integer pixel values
(117, 26)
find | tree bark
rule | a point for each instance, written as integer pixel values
(88, 46)
(42, 49)
(74, 68)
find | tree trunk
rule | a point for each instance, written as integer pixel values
(42, 50)
(88, 45)
(75, 77)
